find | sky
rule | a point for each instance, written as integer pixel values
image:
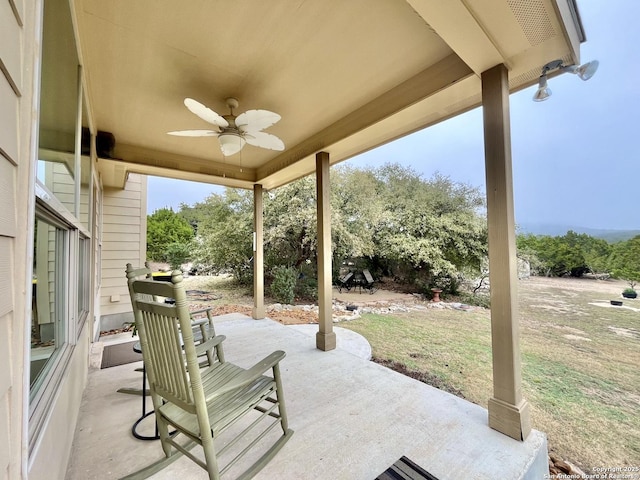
(576, 156)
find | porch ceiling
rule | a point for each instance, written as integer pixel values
(345, 76)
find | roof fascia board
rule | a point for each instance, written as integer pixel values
(571, 26)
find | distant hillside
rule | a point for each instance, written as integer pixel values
(611, 236)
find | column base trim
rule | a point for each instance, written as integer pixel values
(512, 420)
(326, 341)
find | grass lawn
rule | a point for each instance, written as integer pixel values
(580, 362)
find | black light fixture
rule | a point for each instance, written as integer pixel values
(584, 71)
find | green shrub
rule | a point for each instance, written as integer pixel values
(177, 253)
(307, 288)
(284, 284)
(307, 282)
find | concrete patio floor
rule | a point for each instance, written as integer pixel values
(352, 418)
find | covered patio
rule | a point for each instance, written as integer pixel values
(91, 90)
(352, 418)
(342, 78)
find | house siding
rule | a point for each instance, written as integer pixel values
(124, 241)
(7, 197)
(15, 154)
(11, 83)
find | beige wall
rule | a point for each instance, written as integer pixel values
(50, 458)
(124, 227)
(17, 62)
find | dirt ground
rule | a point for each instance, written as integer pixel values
(356, 297)
(609, 286)
(206, 291)
(214, 292)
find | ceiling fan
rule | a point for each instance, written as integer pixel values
(234, 132)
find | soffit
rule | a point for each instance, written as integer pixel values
(345, 76)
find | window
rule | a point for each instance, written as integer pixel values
(48, 332)
(84, 283)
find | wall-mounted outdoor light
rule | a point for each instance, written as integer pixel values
(584, 71)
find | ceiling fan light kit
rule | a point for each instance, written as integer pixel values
(234, 132)
(231, 143)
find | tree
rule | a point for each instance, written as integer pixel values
(624, 261)
(290, 221)
(177, 253)
(390, 217)
(527, 246)
(433, 227)
(596, 253)
(165, 227)
(571, 254)
(356, 210)
(224, 243)
(290, 227)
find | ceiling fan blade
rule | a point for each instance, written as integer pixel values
(194, 133)
(256, 120)
(264, 140)
(205, 113)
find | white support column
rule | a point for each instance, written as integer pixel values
(326, 337)
(258, 254)
(508, 410)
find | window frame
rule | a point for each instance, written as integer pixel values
(69, 231)
(83, 290)
(42, 393)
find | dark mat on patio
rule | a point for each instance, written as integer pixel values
(405, 469)
(119, 354)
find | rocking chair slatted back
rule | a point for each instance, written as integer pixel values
(162, 337)
(208, 343)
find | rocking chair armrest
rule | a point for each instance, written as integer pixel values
(204, 324)
(202, 310)
(244, 378)
(203, 347)
(199, 321)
